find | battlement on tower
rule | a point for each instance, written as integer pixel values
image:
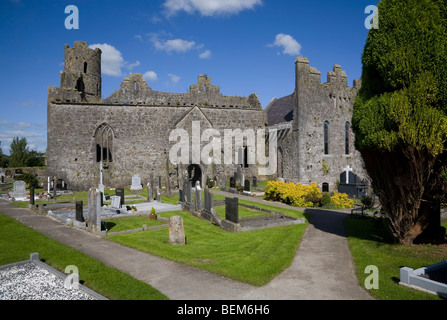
(307, 75)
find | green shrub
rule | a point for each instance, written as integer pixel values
(325, 199)
(29, 178)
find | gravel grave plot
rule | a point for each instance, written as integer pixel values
(30, 282)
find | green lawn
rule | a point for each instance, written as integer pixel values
(129, 223)
(17, 242)
(254, 257)
(371, 244)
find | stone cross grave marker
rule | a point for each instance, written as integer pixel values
(232, 209)
(239, 176)
(347, 170)
(94, 210)
(198, 197)
(150, 192)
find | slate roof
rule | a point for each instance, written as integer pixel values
(280, 110)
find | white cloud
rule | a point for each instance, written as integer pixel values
(150, 76)
(16, 126)
(174, 78)
(205, 55)
(177, 45)
(209, 7)
(288, 43)
(130, 66)
(112, 60)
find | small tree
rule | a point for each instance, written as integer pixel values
(19, 154)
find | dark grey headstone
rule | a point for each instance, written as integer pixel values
(232, 209)
(181, 198)
(232, 182)
(247, 185)
(80, 211)
(255, 182)
(120, 192)
(31, 195)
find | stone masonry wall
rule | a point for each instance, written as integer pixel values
(302, 149)
(141, 141)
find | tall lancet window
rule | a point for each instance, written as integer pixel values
(347, 138)
(326, 137)
(104, 143)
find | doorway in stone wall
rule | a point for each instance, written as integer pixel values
(195, 174)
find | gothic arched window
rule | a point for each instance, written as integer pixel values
(326, 137)
(104, 143)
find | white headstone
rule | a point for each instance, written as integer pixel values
(116, 202)
(136, 183)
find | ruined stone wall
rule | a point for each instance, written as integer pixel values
(134, 90)
(140, 144)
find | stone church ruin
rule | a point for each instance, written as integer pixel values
(128, 132)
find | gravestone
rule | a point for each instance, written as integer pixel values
(136, 183)
(158, 194)
(116, 202)
(188, 194)
(80, 211)
(150, 192)
(19, 189)
(351, 184)
(31, 195)
(247, 185)
(2, 177)
(232, 209)
(232, 183)
(176, 231)
(159, 182)
(255, 182)
(120, 193)
(223, 186)
(198, 197)
(209, 204)
(239, 176)
(94, 210)
(181, 197)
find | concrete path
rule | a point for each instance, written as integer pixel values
(322, 268)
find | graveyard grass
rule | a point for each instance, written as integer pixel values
(254, 257)
(93, 274)
(371, 244)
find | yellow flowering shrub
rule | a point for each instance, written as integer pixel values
(300, 195)
(342, 201)
(297, 195)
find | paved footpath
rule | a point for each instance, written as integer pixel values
(322, 268)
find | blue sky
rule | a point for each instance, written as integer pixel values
(245, 46)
